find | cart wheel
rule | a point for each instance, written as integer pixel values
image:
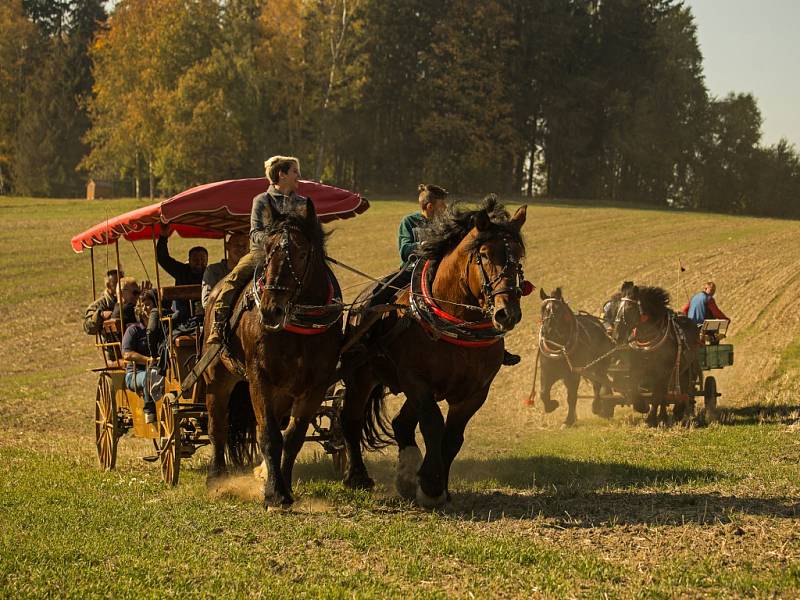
(106, 428)
(710, 398)
(170, 450)
(339, 458)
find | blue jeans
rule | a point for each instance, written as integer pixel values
(139, 382)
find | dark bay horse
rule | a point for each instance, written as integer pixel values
(288, 367)
(662, 352)
(570, 347)
(475, 255)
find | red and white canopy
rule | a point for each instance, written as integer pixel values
(211, 210)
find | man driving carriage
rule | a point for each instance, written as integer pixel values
(702, 306)
(410, 238)
(283, 173)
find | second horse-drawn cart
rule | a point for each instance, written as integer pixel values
(210, 211)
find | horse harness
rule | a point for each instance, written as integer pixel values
(554, 350)
(441, 325)
(298, 318)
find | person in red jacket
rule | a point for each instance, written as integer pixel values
(702, 306)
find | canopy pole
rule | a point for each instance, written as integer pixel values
(158, 278)
(119, 291)
(94, 285)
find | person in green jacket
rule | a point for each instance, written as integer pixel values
(432, 201)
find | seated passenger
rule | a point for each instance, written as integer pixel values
(129, 295)
(702, 306)
(238, 245)
(140, 372)
(100, 310)
(188, 273)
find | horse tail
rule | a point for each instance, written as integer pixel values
(376, 432)
(242, 445)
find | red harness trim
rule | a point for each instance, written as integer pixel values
(426, 295)
(312, 330)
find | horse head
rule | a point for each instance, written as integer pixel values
(293, 246)
(494, 272)
(627, 313)
(558, 320)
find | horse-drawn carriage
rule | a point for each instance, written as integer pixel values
(181, 426)
(652, 358)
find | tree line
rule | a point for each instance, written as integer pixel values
(582, 99)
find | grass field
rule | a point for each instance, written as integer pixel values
(604, 509)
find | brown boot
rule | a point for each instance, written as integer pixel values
(217, 335)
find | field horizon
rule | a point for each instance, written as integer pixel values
(606, 508)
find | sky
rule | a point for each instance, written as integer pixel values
(752, 46)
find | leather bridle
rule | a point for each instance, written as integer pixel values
(273, 286)
(511, 269)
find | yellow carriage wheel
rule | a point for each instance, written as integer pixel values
(106, 427)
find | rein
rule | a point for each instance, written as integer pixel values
(555, 350)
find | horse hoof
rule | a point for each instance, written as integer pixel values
(429, 502)
(359, 481)
(408, 462)
(260, 472)
(549, 406)
(277, 502)
(651, 421)
(570, 422)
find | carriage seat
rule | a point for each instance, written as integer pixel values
(188, 293)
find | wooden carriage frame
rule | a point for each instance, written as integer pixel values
(210, 211)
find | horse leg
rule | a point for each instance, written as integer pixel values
(458, 416)
(657, 403)
(571, 383)
(409, 457)
(597, 404)
(431, 490)
(357, 393)
(275, 489)
(293, 439)
(217, 404)
(547, 381)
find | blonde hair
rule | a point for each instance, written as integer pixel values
(279, 164)
(127, 281)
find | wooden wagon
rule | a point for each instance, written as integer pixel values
(210, 211)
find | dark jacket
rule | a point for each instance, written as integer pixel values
(183, 275)
(182, 272)
(284, 203)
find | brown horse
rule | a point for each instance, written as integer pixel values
(444, 342)
(570, 347)
(287, 349)
(662, 353)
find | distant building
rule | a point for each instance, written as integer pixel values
(98, 188)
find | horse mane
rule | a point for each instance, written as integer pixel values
(654, 301)
(294, 219)
(447, 230)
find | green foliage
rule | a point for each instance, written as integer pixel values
(569, 98)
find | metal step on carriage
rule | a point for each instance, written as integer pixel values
(211, 211)
(712, 355)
